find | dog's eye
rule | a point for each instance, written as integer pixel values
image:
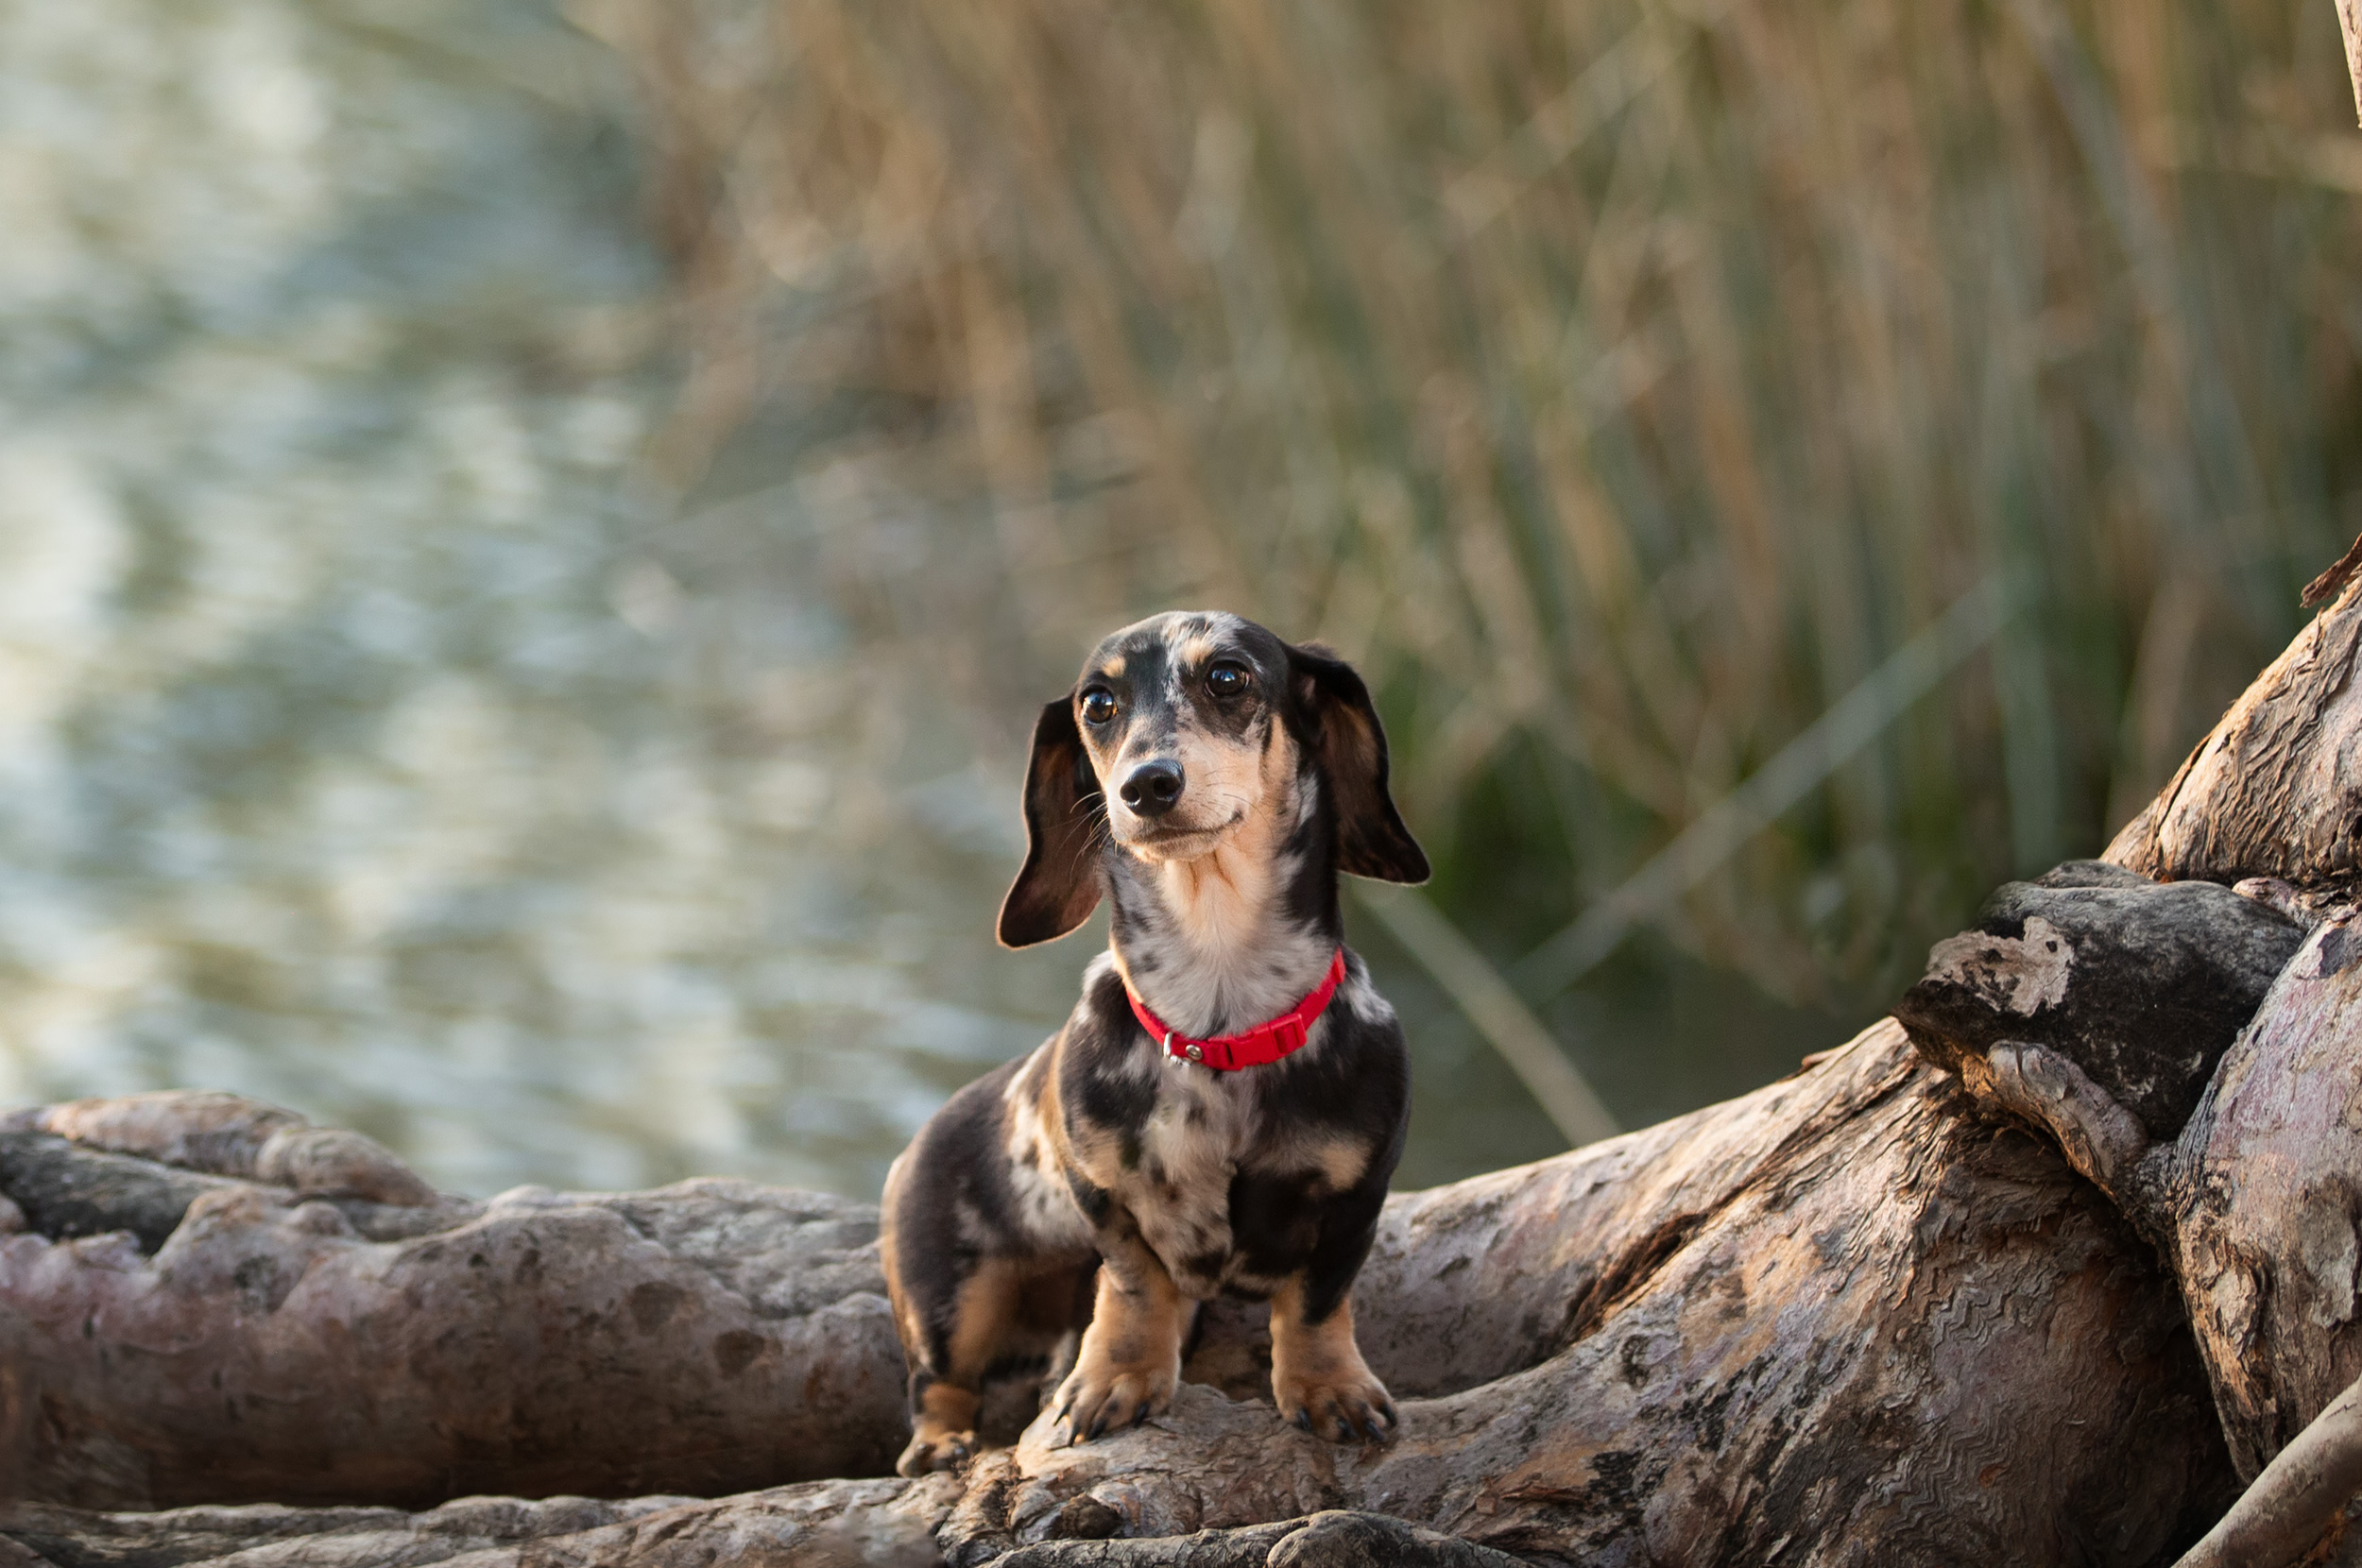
(1098, 706)
(1227, 680)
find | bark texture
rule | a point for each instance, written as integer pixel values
(2147, 983)
(2276, 789)
(2264, 1190)
(1697, 1343)
(824, 1525)
(170, 1335)
(2254, 1201)
(2304, 1494)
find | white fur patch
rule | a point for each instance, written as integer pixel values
(1193, 637)
(1360, 998)
(1202, 1125)
(1045, 1205)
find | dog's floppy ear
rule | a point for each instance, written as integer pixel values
(1351, 746)
(1058, 886)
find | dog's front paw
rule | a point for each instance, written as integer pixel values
(1347, 1405)
(935, 1448)
(1100, 1395)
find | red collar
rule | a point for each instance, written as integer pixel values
(1259, 1047)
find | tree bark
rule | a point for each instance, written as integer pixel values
(2301, 1496)
(2275, 790)
(2048, 1280)
(170, 1336)
(1836, 1320)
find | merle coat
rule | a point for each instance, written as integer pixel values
(1209, 781)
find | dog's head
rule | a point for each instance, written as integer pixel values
(1186, 731)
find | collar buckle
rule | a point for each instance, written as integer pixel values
(1264, 1044)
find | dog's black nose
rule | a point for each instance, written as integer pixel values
(1151, 788)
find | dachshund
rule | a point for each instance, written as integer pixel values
(1225, 1106)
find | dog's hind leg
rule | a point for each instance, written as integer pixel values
(956, 1344)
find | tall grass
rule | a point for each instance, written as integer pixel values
(1620, 382)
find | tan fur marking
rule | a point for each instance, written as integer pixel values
(1226, 892)
(942, 1433)
(1093, 1151)
(1219, 897)
(1029, 1120)
(1358, 742)
(905, 1316)
(1339, 1160)
(945, 1411)
(982, 1320)
(1087, 1146)
(1130, 1360)
(1317, 1374)
(1008, 1305)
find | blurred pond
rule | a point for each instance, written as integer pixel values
(358, 750)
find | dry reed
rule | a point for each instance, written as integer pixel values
(1619, 383)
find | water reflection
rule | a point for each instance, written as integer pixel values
(356, 750)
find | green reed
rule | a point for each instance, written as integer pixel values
(1621, 384)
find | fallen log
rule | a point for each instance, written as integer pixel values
(826, 1525)
(2252, 1202)
(170, 1333)
(1836, 1311)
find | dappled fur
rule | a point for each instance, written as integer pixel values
(1099, 1187)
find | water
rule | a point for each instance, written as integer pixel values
(360, 751)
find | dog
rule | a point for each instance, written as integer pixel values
(1224, 1108)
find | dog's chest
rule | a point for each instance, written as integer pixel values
(1201, 1128)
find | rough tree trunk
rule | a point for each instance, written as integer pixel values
(2047, 1281)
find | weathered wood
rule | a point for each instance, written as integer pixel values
(2255, 1189)
(2301, 1498)
(1335, 1539)
(824, 1525)
(2256, 1203)
(2276, 789)
(2264, 1191)
(2144, 985)
(286, 1344)
(821, 1525)
(1696, 1343)
(65, 1191)
(229, 1135)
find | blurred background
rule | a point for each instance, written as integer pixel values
(530, 535)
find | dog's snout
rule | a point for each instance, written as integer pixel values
(1151, 789)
